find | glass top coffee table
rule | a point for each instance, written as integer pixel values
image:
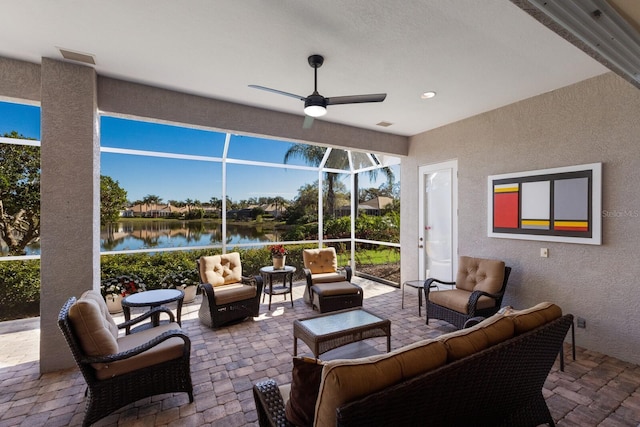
(332, 330)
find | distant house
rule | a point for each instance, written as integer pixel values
(274, 209)
(153, 210)
(373, 206)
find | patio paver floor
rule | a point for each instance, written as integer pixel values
(594, 390)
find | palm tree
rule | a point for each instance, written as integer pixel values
(313, 155)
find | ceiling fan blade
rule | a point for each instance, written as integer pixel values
(308, 121)
(356, 99)
(268, 89)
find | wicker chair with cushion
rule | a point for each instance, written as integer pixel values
(328, 287)
(478, 292)
(120, 370)
(227, 295)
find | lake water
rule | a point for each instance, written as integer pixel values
(130, 235)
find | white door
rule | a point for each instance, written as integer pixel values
(438, 221)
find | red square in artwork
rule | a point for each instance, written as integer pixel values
(505, 210)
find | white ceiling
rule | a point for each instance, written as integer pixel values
(477, 55)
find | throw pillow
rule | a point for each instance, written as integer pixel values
(305, 383)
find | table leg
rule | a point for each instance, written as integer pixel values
(290, 288)
(420, 302)
(179, 311)
(270, 289)
(126, 310)
(295, 346)
(573, 341)
(155, 318)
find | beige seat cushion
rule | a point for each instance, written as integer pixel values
(167, 350)
(221, 270)
(327, 277)
(335, 288)
(489, 332)
(320, 260)
(458, 300)
(531, 318)
(225, 294)
(479, 274)
(347, 380)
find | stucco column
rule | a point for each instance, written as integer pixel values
(70, 179)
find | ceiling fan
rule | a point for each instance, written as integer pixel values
(315, 105)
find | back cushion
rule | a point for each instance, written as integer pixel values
(465, 342)
(478, 274)
(104, 310)
(91, 328)
(349, 379)
(320, 260)
(531, 318)
(221, 270)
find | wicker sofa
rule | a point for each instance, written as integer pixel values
(489, 374)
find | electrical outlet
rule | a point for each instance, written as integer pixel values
(544, 252)
(581, 322)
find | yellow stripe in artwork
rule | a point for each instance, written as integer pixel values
(571, 223)
(535, 222)
(500, 189)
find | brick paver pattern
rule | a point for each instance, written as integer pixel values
(594, 390)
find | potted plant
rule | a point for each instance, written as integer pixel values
(116, 288)
(278, 256)
(186, 280)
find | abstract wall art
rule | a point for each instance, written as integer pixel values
(557, 205)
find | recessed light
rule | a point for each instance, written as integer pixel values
(428, 95)
(384, 124)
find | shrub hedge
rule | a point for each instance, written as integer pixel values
(20, 280)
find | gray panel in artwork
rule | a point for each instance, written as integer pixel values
(571, 199)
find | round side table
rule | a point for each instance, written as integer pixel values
(153, 298)
(287, 273)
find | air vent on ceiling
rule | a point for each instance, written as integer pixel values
(384, 124)
(85, 58)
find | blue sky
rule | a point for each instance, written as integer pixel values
(181, 179)
(24, 119)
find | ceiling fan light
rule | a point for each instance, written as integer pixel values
(315, 105)
(315, 110)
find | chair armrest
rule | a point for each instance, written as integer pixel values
(473, 321)
(430, 280)
(248, 280)
(307, 275)
(146, 315)
(269, 404)
(258, 283)
(141, 348)
(475, 296)
(348, 271)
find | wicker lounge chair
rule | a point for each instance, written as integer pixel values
(478, 292)
(227, 295)
(329, 288)
(122, 370)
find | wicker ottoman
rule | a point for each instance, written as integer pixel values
(334, 296)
